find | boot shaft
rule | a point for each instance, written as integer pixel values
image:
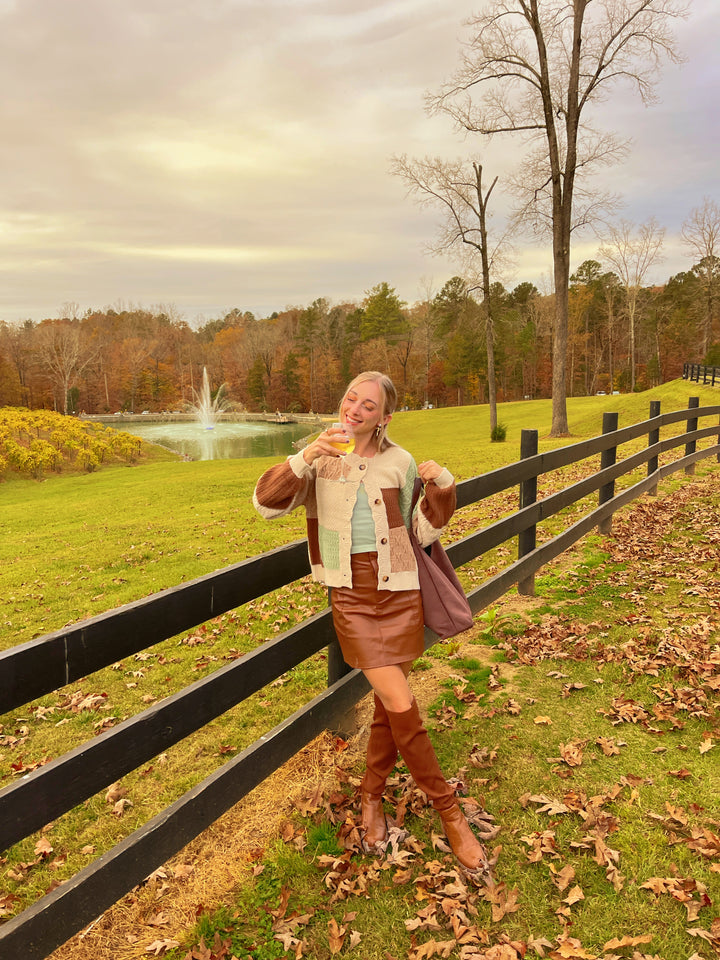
(417, 751)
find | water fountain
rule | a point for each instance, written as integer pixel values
(209, 438)
(206, 409)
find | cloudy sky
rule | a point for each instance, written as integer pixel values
(210, 154)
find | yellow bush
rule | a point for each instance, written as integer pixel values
(33, 441)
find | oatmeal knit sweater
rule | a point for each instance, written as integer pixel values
(328, 488)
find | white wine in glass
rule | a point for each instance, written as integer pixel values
(344, 446)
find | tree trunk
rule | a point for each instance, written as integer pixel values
(492, 392)
(489, 320)
(631, 319)
(563, 179)
(559, 350)
(561, 264)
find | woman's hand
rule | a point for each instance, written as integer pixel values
(429, 470)
(322, 446)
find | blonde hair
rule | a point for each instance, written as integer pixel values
(388, 400)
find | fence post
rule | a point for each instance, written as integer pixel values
(336, 669)
(653, 438)
(336, 666)
(607, 459)
(692, 424)
(527, 539)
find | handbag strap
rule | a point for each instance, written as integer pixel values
(417, 490)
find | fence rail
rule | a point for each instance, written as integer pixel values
(698, 372)
(41, 666)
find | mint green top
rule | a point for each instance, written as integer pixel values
(362, 524)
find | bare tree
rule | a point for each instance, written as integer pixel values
(456, 186)
(61, 348)
(262, 339)
(70, 310)
(534, 67)
(135, 352)
(631, 255)
(701, 234)
(17, 340)
(425, 322)
(610, 284)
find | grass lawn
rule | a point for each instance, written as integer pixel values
(77, 545)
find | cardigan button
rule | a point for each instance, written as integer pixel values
(378, 501)
(384, 540)
(385, 579)
(363, 466)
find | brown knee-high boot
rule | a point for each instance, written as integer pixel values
(381, 756)
(417, 751)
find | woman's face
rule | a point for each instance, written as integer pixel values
(361, 408)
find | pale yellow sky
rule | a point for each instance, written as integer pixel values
(235, 153)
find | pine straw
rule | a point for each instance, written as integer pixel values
(203, 876)
(217, 860)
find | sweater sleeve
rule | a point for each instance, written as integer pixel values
(435, 508)
(283, 487)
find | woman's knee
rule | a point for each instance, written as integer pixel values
(391, 686)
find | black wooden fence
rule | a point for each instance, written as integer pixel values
(698, 372)
(41, 666)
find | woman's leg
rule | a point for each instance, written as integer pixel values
(382, 752)
(391, 685)
(412, 740)
(381, 758)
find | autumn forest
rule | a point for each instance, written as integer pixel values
(134, 359)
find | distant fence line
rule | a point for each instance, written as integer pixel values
(41, 666)
(698, 372)
(166, 416)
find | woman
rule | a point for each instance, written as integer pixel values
(358, 509)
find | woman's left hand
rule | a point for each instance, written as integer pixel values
(429, 470)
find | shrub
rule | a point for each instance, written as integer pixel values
(498, 433)
(33, 441)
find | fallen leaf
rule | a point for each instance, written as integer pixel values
(43, 848)
(563, 877)
(569, 948)
(158, 947)
(336, 936)
(608, 746)
(574, 896)
(119, 808)
(627, 941)
(572, 753)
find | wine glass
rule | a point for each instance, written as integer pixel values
(344, 446)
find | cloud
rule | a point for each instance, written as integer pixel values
(235, 152)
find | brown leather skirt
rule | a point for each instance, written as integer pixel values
(376, 628)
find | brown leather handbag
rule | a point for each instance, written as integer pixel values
(446, 610)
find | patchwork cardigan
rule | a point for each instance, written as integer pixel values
(328, 489)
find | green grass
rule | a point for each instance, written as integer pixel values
(100, 540)
(75, 546)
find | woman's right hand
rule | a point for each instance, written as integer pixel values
(322, 446)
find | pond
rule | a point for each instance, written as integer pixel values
(226, 441)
